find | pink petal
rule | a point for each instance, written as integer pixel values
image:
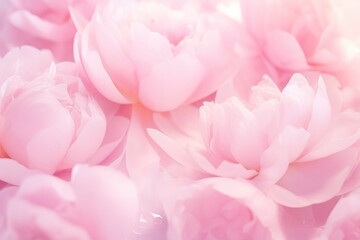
(177, 152)
(114, 57)
(224, 169)
(97, 74)
(25, 66)
(296, 102)
(343, 133)
(284, 51)
(13, 172)
(109, 207)
(88, 139)
(171, 83)
(254, 14)
(148, 48)
(140, 163)
(311, 183)
(321, 112)
(41, 28)
(40, 222)
(116, 131)
(274, 161)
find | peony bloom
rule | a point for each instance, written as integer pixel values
(98, 203)
(281, 141)
(220, 209)
(49, 122)
(343, 222)
(285, 37)
(42, 24)
(159, 56)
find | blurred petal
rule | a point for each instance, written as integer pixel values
(117, 206)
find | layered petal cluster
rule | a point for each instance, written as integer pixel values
(43, 24)
(220, 208)
(49, 122)
(294, 36)
(98, 203)
(180, 119)
(157, 55)
(275, 139)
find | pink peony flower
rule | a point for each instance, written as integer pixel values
(40, 23)
(280, 141)
(285, 37)
(220, 209)
(343, 222)
(159, 56)
(98, 203)
(49, 122)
